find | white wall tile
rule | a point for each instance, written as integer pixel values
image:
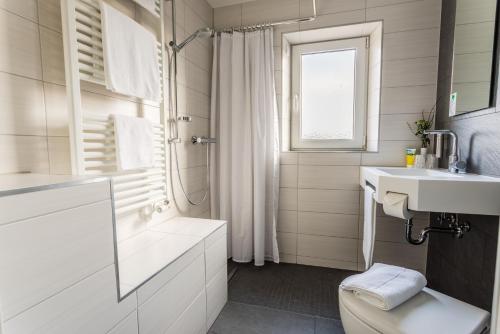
(194, 319)
(288, 258)
(20, 46)
(226, 17)
(202, 8)
(288, 199)
(475, 11)
(328, 224)
(335, 19)
(189, 155)
(22, 109)
(194, 22)
(23, 153)
(328, 263)
(159, 312)
(409, 72)
(287, 243)
(408, 100)
(391, 153)
(59, 155)
(48, 201)
(127, 325)
(330, 6)
(198, 79)
(288, 176)
(332, 201)
(395, 127)
(330, 159)
(24, 8)
(90, 306)
(378, 3)
(197, 127)
(407, 16)
(200, 55)
(159, 281)
(193, 180)
(342, 249)
(56, 107)
(197, 104)
(288, 158)
(329, 177)
(68, 246)
(268, 11)
(52, 56)
(287, 221)
(49, 13)
(411, 44)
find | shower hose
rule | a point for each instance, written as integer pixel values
(174, 128)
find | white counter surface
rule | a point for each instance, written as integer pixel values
(11, 184)
(144, 255)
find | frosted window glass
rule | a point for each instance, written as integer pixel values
(327, 91)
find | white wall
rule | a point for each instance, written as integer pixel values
(33, 110)
(320, 204)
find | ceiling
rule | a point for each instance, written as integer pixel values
(224, 3)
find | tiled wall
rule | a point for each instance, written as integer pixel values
(320, 218)
(33, 110)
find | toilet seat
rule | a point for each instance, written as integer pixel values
(428, 312)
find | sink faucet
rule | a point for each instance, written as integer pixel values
(455, 165)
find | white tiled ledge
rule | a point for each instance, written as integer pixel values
(144, 255)
(20, 183)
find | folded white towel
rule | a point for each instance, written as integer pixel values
(134, 140)
(130, 56)
(385, 286)
(149, 5)
(369, 224)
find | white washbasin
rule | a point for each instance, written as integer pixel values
(436, 189)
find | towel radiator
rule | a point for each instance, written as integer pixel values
(92, 135)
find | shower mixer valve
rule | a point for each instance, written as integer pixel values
(203, 140)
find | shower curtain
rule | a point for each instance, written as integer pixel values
(245, 162)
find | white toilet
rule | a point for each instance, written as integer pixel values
(428, 312)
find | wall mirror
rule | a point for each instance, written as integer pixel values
(474, 56)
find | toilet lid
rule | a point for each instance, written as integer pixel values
(428, 312)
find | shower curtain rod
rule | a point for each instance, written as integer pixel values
(272, 24)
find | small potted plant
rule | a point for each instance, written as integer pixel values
(420, 126)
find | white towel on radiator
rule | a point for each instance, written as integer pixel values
(385, 286)
(130, 56)
(149, 5)
(134, 142)
(369, 225)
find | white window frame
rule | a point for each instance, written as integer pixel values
(360, 45)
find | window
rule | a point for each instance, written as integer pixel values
(329, 90)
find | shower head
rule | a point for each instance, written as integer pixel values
(202, 32)
(205, 32)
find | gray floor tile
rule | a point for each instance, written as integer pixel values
(291, 287)
(238, 318)
(328, 326)
(281, 299)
